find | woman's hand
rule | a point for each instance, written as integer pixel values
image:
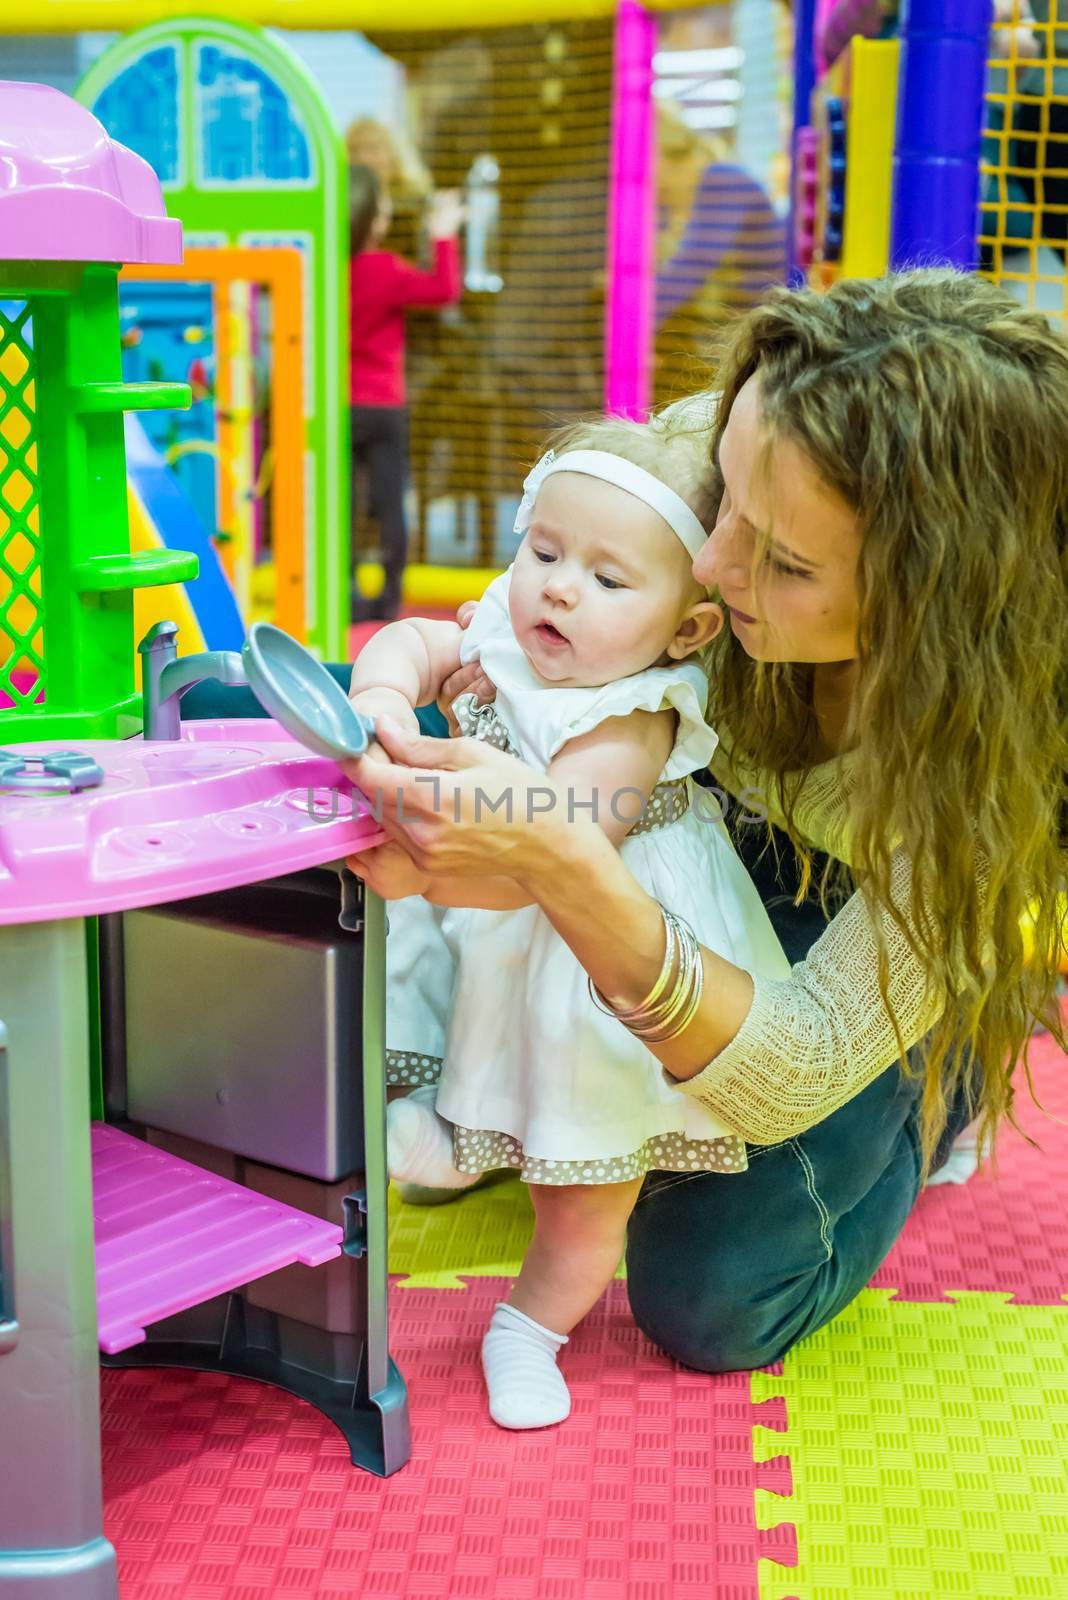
(466, 680)
(461, 809)
(390, 873)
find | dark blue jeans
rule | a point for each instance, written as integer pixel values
(726, 1271)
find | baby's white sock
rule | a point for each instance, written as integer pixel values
(419, 1143)
(526, 1388)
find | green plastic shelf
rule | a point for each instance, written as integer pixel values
(90, 399)
(146, 569)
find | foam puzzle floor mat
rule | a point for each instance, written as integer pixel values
(929, 1453)
(218, 1489)
(914, 1450)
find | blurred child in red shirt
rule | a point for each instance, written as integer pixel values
(382, 287)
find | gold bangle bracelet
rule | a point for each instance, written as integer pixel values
(651, 999)
(661, 1016)
(664, 1023)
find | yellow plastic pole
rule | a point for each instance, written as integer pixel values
(870, 156)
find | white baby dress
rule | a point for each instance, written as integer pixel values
(532, 1074)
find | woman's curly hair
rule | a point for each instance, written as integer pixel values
(937, 408)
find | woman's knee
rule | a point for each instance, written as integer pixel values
(714, 1335)
(714, 1313)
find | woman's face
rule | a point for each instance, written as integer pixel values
(802, 603)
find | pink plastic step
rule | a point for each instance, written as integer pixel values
(170, 1235)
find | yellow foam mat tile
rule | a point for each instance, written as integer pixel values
(483, 1234)
(928, 1446)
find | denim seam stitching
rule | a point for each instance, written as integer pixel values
(661, 1188)
(814, 1196)
(754, 1152)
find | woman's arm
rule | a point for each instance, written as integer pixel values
(608, 773)
(770, 1057)
(484, 815)
(615, 929)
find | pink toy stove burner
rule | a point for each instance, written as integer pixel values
(228, 803)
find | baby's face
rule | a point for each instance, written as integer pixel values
(602, 587)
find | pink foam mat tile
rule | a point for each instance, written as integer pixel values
(220, 1489)
(1005, 1230)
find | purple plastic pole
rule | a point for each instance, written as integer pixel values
(631, 217)
(935, 204)
(845, 20)
(804, 83)
(821, 10)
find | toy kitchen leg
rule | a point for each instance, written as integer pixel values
(51, 1542)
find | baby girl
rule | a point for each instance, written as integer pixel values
(593, 638)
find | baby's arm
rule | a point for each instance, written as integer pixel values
(612, 769)
(615, 767)
(403, 666)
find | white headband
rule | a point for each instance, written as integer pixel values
(602, 464)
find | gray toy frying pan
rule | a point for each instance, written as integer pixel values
(297, 691)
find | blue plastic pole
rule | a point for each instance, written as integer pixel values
(804, 83)
(935, 203)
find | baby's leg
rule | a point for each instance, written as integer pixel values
(419, 1143)
(579, 1234)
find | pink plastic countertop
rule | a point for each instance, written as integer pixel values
(227, 804)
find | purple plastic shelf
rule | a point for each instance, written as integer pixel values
(170, 1236)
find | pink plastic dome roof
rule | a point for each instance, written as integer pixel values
(68, 192)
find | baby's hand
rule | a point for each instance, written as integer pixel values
(389, 871)
(375, 703)
(465, 680)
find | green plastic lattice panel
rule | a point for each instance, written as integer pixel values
(928, 1445)
(22, 667)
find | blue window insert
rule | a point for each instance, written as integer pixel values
(249, 130)
(139, 108)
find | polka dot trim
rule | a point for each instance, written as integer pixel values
(483, 723)
(408, 1066)
(667, 803)
(484, 1150)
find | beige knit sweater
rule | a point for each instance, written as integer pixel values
(812, 1041)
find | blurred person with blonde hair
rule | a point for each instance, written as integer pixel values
(721, 247)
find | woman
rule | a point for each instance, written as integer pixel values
(891, 547)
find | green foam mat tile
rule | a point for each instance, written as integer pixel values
(483, 1234)
(928, 1444)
